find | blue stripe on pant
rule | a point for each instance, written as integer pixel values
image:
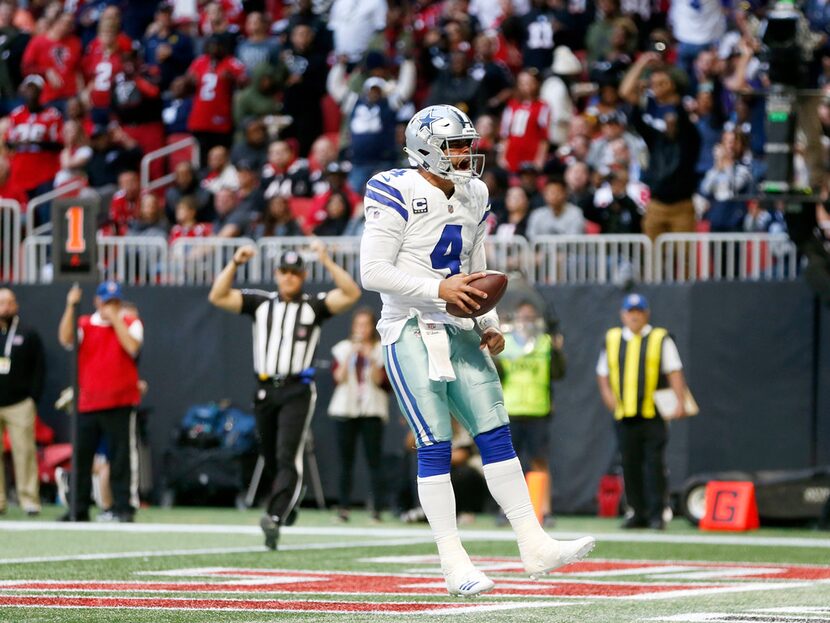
(474, 398)
(422, 436)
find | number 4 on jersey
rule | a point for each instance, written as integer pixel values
(447, 251)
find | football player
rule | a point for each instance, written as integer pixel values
(422, 245)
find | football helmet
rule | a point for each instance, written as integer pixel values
(436, 129)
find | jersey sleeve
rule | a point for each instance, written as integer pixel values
(386, 219)
(251, 299)
(544, 117)
(382, 193)
(602, 364)
(670, 357)
(478, 257)
(318, 304)
(136, 331)
(238, 69)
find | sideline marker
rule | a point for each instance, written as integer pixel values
(730, 505)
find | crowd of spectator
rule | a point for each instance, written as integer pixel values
(620, 116)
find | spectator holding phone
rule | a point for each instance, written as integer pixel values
(360, 406)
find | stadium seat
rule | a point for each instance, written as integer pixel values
(180, 155)
(302, 208)
(331, 115)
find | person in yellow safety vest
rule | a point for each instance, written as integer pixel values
(531, 359)
(636, 360)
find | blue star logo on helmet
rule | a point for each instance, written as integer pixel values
(426, 122)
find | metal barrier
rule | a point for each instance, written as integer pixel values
(598, 259)
(683, 258)
(37, 267)
(508, 255)
(590, 259)
(345, 250)
(10, 250)
(34, 204)
(197, 261)
(133, 260)
(148, 185)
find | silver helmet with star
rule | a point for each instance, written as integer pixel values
(432, 132)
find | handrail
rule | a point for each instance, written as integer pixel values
(591, 258)
(35, 259)
(682, 258)
(11, 260)
(344, 250)
(197, 261)
(148, 185)
(594, 259)
(133, 260)
(56, 193)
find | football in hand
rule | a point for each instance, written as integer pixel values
(494, 284)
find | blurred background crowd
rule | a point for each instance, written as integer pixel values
(616, 116)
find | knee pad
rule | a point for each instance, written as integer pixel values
(495, 445)
(434, 459)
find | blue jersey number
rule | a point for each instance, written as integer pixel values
(387, 177)
(447, 251)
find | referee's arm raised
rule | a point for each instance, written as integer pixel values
(347, 291)
(222, 295)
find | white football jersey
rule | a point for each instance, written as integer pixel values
(413, 238)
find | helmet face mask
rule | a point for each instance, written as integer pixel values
(443, 141)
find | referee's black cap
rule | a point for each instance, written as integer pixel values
(291, 260)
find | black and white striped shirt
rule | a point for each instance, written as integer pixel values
(285, 333)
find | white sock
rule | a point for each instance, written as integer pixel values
(507, 485)
(438, 502)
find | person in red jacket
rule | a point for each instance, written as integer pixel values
(100, 65)
(215, 76)
(524, 126)
(108, 343)
(35, 136)
(56, 55)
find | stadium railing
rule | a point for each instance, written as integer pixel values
(197, 261)
(10, 249)
(37, 267)
(66, 190)
(587, 259)
(133, 260)
(681, 258)
(508, 255)
(150, 185)
(590, 259)
(345, 250)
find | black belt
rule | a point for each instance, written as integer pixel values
(280, 380)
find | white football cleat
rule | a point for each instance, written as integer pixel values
(468, 582)
(554, 554)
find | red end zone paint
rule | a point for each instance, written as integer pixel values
(267, 605)
(595, 579)
(356, 584)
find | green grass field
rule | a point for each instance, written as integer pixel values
(209, 565)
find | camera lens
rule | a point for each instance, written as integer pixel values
(659, 46)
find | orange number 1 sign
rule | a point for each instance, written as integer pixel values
(75, 242)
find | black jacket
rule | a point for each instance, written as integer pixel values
(25, 378)
(671, 162)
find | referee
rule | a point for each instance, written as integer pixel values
(286, 332)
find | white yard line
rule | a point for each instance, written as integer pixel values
(413, 533)
(208, 551)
